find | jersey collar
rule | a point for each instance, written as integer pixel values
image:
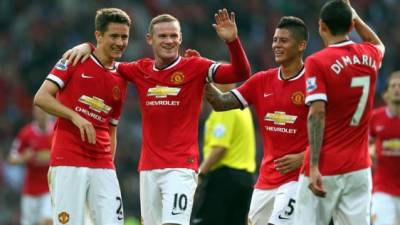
(342, 43)
(97, 61)
(295, 77)
(174, 63)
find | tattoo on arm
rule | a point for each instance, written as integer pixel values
(221, 101)
(316, 125)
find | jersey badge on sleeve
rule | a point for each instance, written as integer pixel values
(62, 64)
(219, 131)
(311, 84)
(298, 98)
(177, 77)
(163, 91)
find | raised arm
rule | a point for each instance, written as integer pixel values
(221, 101)
(239, 68)
(45, 99)
(78, 53)
(365, 32)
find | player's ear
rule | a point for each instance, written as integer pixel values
(302, 45)
(149, 39)
(98, 35)
(351, 26)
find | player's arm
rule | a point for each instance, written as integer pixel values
(46, 100)
(315, 127)
(289, 162)
(221, 101)
(113, 138)
(365, 32)
(20, 158)
(239, 68)
(217, 152)
(79, 53)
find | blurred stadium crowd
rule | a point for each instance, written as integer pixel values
(35, 33)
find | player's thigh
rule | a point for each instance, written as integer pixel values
(104, 197)
(177, 192)
(68, 188)
(284, 205)
(29, 210)
(354, 206)
(150, 197)
(313, 210)
(383, 209)
(45, 212)
(261, 206)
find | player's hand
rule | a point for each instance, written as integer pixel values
(88, 133)
(42, 157)
(225, 25)
(80, 52)
(27, 155)
(316, 185)
(288, 163)
(192, 53)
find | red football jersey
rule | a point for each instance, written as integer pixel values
(170, 102)
(97, 94)
(282, 117)
(31, 137)
(385, 128)
(343, 75)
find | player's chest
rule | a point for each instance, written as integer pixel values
(39, 141)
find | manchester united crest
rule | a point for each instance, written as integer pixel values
(63, 217)
(298, 98)
(177, 77)
(116, 91)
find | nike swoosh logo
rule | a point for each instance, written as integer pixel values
(282, 218)
(266, 95)
(85, 76)
(176, 213)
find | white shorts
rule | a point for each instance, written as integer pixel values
(78, 191)
(385, 209)
(348, 200)
(166, 195)
(35, 209)
(275, 206)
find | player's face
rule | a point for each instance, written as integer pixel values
(165, 40)
(285, 47)
(114, 40)
(393, 91)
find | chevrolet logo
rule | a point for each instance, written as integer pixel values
(95, 103)
(280, 118)
(392, 144)
(163, 92)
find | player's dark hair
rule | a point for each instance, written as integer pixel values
(163, 18)
(337, 15)
(106, 16)
(296, 26)
(395, 74)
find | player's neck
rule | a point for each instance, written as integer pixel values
(289, 70)
(336, 39)
(160, 63)
(394, 109)
(106, 62)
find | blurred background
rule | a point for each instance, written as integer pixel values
(35, 33)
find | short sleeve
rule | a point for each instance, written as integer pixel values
(315, 82)
(247, 92)
(61, 73)
(116, 114)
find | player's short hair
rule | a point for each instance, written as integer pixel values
(163, 18)
(106, 16)
(395, 74)
(296, 26)
(337, 15)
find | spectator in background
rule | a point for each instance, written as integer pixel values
(32, 147)
(226, 173)
(385, 133)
